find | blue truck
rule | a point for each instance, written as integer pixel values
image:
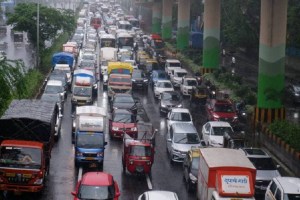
(89, 136)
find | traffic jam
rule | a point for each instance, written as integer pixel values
(119, 118)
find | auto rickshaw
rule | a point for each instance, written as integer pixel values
(138, 154)
(150, 64)
(199, 95)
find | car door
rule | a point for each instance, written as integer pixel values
(271, 190)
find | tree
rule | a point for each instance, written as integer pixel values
(51, 21)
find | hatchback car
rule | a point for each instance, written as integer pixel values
(162, 86)
(158, 195)
(97, 185)
(169, 100)
(187, 85)
(213, 133)
(179, 115)
(181, 137)
(266, 169)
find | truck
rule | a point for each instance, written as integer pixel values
(71, 47)
(26, 139)
(89, 136)
(119, 78)
(83, 87)
(225, 174)
(107, 54)
(63, 58)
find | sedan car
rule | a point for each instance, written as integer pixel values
(162, 86)
(179, 115)
(123, 101)
(213, 133)
(169, 100)
(139, 80)
(158, 195)
(97, 185)
(123, 121)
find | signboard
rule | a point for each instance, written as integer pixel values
(235, 184)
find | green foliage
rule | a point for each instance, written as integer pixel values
(51, 21)
(287, 131)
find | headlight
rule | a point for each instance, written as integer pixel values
(213, 92)
(38, 181)
(114, 128)
(192, 177)
(297, 94)
(134, 129)
(133, 80)
(146, 80)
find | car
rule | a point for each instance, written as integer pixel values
(55, 87)
(181, 137)
(132, 62)
(162, 86)
(282, 188)
(266, 169)
(187, 84)
(158, 195)
(139, 80)
(97, 185)
(171, 64)
(293, 90)
(87, 63)
(213, 132)
(177, 75)
(168, 100)
(179, 115)
(221, 110)
(88, 56)
(190, 168)
(123, 101)
(157, 75)
(121, 122)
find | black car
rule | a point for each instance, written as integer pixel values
(139, 80)
(123, 101)
(169, 100)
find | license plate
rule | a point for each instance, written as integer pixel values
(89, 158)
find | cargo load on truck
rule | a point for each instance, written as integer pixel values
(71, 47)
(63, 58)
(225, 174)
(27, 131)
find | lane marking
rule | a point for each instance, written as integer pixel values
(79, 174)
(149, 182)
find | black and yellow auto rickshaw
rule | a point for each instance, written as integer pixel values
(199, 95)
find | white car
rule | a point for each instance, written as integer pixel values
(162, 86)
(172, 64)
(281, 188)
(187, 85)
(158, 195)
(213, 132)
(177, 75)
(179, 115)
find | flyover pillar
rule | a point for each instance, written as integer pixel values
(167, 19)
(271, 61)
(156, 17)
(211, 36)
(183, 26)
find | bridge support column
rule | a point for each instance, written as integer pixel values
(271, 61)
(183, 26)
(211, 36)
(156, 17)
(167, 19)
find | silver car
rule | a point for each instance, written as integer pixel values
(181, 137)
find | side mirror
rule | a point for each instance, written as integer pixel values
(278, 166)
(74, 193)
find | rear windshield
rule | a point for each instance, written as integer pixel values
(263, 163)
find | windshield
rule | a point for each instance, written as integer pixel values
(20, 157)
(175, 64)
(127, 41)
(291, 196)
(82, 91)
(228, 108)
(91, 141)
(140, 150)
(184, 117)
(51, 97)
(171, 96)
(164, 85)
(123, 99)
(107, 42)
(53, 89)
(263, 163)
(186, 138)
(125, 26)
(220, 131)
(124, 118)
(87, 63)
(191, 82)
(90, 192)
(137, 75)
(180, 74)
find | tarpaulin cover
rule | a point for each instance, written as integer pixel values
(63, 58)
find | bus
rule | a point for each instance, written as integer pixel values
(95, 22)
(107, 40)
(125, 40)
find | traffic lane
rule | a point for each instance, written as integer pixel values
(164, 176)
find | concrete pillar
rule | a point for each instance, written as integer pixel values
(273, 22)
(211, 36)
(167, 19)
(183, 26)
(156, 17)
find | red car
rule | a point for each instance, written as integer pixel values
(123, 121)
(97, 185)
(221, 110)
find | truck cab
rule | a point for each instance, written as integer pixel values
(89, 136)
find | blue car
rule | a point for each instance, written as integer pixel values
(157, 75)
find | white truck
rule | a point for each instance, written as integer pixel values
(172, 64)
(225, 174)
(107, 54)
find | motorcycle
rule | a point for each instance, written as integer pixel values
(241, 111)
(212, 90)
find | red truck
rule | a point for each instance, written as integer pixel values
(27, 135)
